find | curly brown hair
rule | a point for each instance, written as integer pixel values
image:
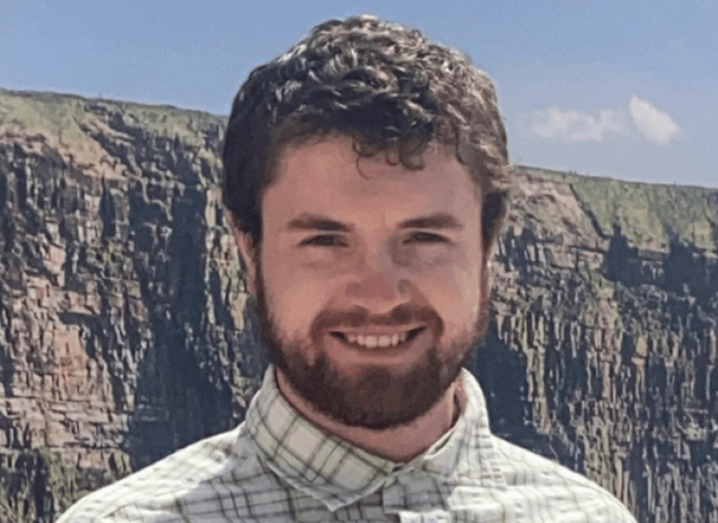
(385, 86)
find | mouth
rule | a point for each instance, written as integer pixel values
(374, 342)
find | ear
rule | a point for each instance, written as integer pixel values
(247, 252)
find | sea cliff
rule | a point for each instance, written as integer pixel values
(126, 331)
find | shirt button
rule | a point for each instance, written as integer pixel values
(404, 479)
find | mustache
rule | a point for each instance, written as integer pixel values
(358, 317)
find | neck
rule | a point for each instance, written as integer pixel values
(398, 444)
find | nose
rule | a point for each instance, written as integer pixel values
(381, 280)
(377, 286)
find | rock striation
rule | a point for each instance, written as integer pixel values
(603, 350)
(125, 332)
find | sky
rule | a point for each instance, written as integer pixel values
(626, 89)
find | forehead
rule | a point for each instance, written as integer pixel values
(328, 175)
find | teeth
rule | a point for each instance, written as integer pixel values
(377, 341)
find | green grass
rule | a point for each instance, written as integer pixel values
(64, 482)
(649, 214)
(61, 115)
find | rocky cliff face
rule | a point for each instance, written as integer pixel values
(124, 333)
(603, 352)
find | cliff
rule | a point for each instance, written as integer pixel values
(124, 333)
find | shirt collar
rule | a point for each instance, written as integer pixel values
(336, 472)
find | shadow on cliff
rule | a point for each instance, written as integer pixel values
(177, 352)
(176, 402)
(502, 375)
(685, 269)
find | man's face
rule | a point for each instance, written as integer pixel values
(340, 258)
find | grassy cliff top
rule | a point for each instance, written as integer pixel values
(649, 215)
(60, 115)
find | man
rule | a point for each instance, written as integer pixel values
(366, 174)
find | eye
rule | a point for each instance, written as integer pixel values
(332, 240)
(324, 240)
(427, 237)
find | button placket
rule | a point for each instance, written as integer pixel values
(392, 495)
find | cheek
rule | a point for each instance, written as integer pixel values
(291, 297)
(296, 306)
(457, 296)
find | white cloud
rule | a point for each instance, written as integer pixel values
(651, 122)
(575, 126)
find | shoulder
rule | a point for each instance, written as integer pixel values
(563, 490)
(159, 492)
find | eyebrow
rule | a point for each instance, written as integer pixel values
(313, 222)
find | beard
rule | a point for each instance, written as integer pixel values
(375, 397)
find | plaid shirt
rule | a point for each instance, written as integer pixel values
(277, 466)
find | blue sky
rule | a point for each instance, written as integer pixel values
(627, 89)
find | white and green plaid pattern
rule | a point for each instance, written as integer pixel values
(277, 466)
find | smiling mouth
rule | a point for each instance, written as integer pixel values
(372, 342)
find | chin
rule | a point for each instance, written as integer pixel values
(372, 396)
